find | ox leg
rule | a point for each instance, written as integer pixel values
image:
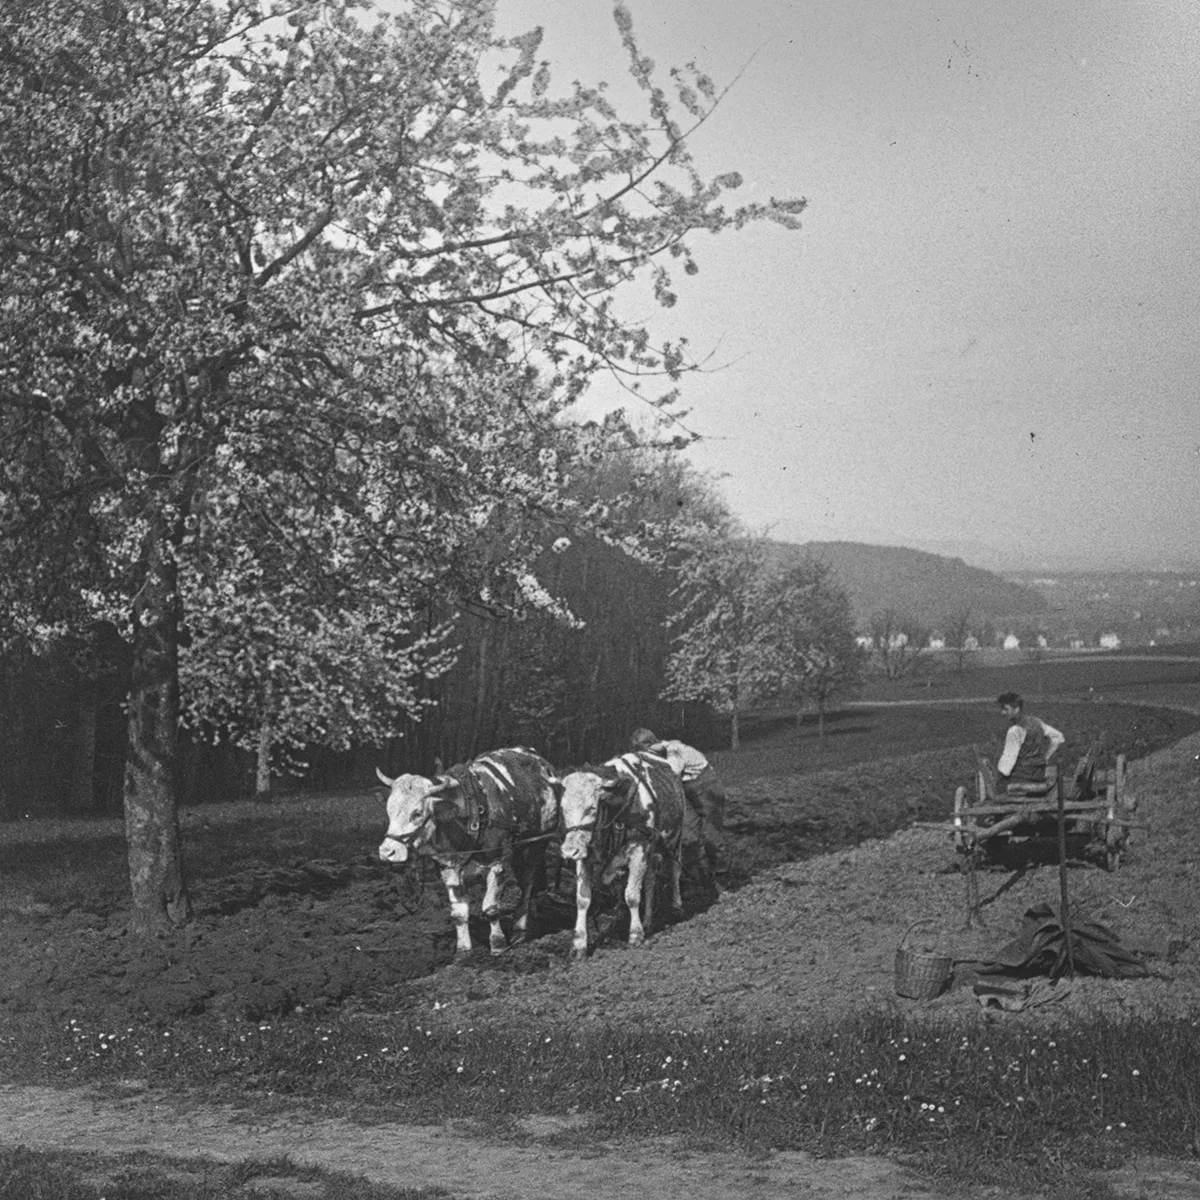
(531, 873)
(650, 888)
(583, 902)
(676, 867)
(452, 878)
(491, 906)
(520, 929)
(634, 886)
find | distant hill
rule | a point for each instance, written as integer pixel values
(925, 587)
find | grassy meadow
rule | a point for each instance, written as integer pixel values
(1006, 1105)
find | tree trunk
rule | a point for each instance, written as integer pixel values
(734, 743)
(83, 765)
(483, 665)
(821, 719)
(262, 763)
(9, 741)
(266, 740)
(156, 880)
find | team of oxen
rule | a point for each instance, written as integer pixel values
(497, 813)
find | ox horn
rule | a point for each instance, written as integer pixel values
(384, 778)
(445, 783)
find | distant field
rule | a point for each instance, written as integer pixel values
(1151, 677)
(772, 746)
(1130, 704)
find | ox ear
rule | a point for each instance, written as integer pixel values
(383, 778)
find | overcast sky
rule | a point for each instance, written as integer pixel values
(988, 330)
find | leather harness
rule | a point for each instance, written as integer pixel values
(478, 817)
(619, 819)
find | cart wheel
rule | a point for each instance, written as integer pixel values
(960, 804)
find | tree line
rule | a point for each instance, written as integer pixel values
(621, 652)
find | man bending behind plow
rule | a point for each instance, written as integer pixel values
(704, 818)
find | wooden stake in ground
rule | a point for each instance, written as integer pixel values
(1065, 903)
(974, 909)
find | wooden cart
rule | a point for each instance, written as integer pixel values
(1098, 812)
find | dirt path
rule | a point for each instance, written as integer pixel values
(471, 1167)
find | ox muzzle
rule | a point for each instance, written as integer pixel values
(399, 847)
(577, 840)
(394, 850)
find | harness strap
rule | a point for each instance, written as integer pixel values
(407, 839)
(475, 800)
(637, 769)
(477, 810)
(473, 806)
(497, 774)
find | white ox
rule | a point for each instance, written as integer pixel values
(482, 817)
(622, 815)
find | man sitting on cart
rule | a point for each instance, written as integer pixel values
(1029, 745)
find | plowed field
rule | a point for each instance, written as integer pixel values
(820, 895)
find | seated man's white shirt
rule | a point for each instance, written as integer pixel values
(1015, 739)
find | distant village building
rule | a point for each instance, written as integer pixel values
(1041, 641)
(937, 642)
(1012, 642)
(1110, 641)
(971, 642)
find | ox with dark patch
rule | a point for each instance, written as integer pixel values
(622, 816)
(489, 816)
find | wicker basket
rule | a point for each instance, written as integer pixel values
(921, 976)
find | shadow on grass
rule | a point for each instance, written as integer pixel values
(64, 1175)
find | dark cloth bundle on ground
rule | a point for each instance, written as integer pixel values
(1040, 948)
